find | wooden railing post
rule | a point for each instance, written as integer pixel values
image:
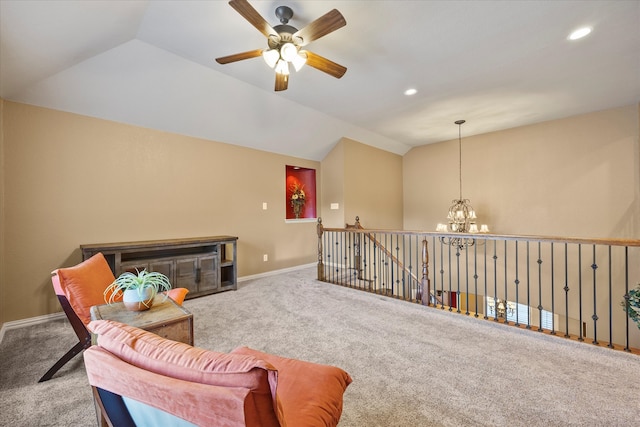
(357, 250)
(320, 230)
(424, 290)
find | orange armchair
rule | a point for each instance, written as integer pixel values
(139, 378)
(78, 288)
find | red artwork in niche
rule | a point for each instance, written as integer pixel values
(300, 192)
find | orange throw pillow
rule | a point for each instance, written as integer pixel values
(310, 394)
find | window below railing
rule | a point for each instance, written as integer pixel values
(570, 287)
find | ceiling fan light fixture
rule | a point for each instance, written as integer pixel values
(299, 60)
(288, 52)
(282, 67)
(285, 41)
(271, 57)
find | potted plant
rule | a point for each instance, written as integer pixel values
(137, 290)
(632, 305)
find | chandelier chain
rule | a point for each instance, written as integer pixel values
(460, 156)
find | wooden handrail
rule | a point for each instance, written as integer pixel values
(485, 236)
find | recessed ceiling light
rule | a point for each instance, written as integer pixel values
(580, 33)
(410, 92)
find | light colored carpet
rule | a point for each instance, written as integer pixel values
(411, 365)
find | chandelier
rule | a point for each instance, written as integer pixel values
(462, 217)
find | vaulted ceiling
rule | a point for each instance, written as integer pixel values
(496, 64)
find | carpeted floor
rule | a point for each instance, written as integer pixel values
(411, 365)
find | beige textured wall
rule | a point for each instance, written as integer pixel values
(373, 186)
(71, 180)
(366, 182)
(571, 177)
(333, 187)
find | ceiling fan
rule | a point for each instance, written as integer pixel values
(286, 42)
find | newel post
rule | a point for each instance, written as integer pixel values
(424, 290)
(357, 256)
(320, 230)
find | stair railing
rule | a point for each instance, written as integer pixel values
(573, 287)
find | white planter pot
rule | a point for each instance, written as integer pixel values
(136, 302)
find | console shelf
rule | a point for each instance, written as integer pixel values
(204, 265)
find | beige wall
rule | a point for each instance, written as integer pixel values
(71, 180)
(333, 187)
(66, 179)
(367, 182)
(571, 177)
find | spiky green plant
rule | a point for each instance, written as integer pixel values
(632, 305)
(140, 281)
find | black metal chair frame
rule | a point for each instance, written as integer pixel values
(84, 336)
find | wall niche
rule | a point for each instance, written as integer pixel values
(300, 193)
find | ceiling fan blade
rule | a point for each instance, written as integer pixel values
(322, 26)
(250, 14)
(239, 56)
(282, 81)
(323, 64)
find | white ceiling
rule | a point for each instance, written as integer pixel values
(497, 64)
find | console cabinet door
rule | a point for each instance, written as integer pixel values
(209, 273)
(165, 267)
(186, 269)
(199, 273)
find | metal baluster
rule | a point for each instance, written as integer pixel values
(626, 294)
(364, 251)
(466, 273)
(386, 265)
(594, 266)
(495, 280)
(539, 287)
(517, 282)
(346, 260)
(375, 262)
(450, 278)
(610, 345)
(581, 333)
(475, 275)
(484, 302)
(528, 283)
(506, 280)
(397, 281)
(553, 293)
(566, 291)
(458, 280)
(442, 274)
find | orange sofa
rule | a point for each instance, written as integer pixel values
(139, 378)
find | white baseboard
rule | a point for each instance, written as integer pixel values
(55, 316)
(276, 272)
(15, 324)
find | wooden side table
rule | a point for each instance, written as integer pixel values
(165, 318)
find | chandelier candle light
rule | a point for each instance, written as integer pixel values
(461, 217)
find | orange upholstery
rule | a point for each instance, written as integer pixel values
(303, 387)
(178, 294)
(200, 404)
(242, 388)
(84, 284)
(182, 361)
